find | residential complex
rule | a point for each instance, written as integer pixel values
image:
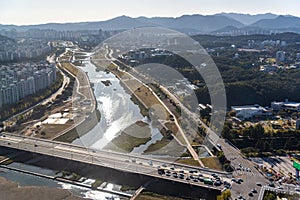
(18, 81)
(27, 49)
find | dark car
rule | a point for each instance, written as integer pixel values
(271, 185)
(161, 171)
(226, 183)
(258, 184)
(254, 190)
(240, 180)
(181, 175)
(217, 183)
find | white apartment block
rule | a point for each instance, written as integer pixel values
(19, 81)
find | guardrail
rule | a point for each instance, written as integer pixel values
(95, 157)
(126, 156)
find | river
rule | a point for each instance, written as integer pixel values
(30, 180)
(117, 111)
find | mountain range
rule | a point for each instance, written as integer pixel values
(218, 23)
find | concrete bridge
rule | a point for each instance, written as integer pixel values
(128, 163)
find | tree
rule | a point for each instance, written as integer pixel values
(222, 157)
(269, 196)
(225, 195)
(226, 131)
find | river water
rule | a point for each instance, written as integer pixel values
(30, 180)
(117, 111)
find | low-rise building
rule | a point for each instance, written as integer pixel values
(249, 111)
(285, 105)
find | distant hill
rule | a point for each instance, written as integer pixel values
(280, 22)
(222, 23)
(196, 23)
(203, 23)
(248, 19)
(118, 23)
(286, 23)
(162, 21)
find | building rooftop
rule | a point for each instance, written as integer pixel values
(248, 107)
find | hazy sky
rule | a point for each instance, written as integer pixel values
(42, 11)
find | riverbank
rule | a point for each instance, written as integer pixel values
(158, 110)
(12, 191)
(149, 105)
(135, 135)
(84, 106)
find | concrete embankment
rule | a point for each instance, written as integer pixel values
(132, 180)
(86, 124)
(63, 180)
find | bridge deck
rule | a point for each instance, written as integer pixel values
(119, 161)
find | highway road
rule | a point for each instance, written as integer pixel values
(119, 161)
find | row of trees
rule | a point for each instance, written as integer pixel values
(254, 139)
